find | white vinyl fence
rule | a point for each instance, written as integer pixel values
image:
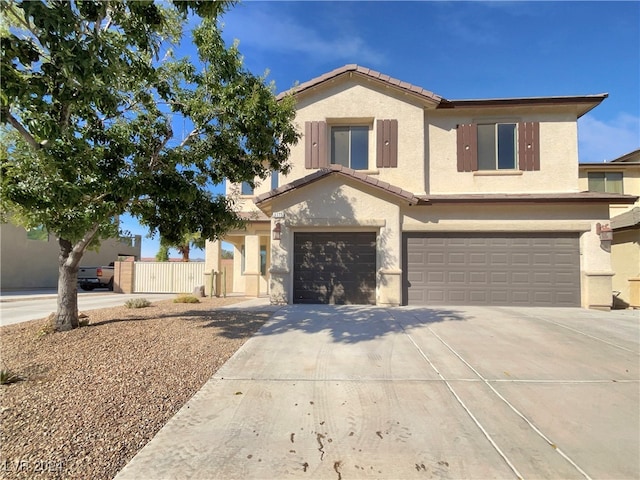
(167, 277)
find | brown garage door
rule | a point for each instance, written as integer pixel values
(336, 268)
(486, 269)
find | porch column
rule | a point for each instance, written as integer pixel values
(252, 265)
(213, 251)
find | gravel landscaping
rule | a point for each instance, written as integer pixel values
(91, 398)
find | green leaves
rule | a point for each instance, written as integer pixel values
(91, 111)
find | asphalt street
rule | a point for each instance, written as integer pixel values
(16, 307)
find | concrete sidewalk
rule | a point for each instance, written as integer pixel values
(366, 392)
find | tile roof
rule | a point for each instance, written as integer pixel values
(368, 73)
(631, 157)
(630, 218)
(584, 102)
(338, 170)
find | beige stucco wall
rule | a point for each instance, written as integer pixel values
(332, 205)
(625, 260)
(34, 264)
(348, 102)
(630, 182)
(427, 143)
(558, 154)
(249, 282)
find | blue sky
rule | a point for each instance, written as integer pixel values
(458, 50)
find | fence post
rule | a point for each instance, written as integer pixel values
(224, 282)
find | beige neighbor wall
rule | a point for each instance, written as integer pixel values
(558, 153)
(34, 264)
(625, 260)
(595, 262)
(630, 182)
(333, 205)
(350, 102)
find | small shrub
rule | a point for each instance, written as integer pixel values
(186, 299)
(137, 303)
(48, 326)
(7, 377)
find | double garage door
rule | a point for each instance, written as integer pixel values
(335, 268)
(526, 269)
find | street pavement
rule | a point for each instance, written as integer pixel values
(350, 392)
(22, 306)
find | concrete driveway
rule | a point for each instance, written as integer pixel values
(366, 392)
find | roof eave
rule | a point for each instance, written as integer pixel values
(580, 197)
(264, 201)
(368, 74)
(585, 103)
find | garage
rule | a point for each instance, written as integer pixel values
(335, 268)
(523, 269)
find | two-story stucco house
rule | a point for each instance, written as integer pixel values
(621, 175)
(398, 196)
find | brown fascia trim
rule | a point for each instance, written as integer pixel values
(588, 101)
(254, 216)
(626, 157)
(608, 165)
(581, 197)
(408, 197)
(626, 221)
(367, 73)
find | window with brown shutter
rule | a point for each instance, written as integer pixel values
(498, 146)
(467, 147)
(315, 155)
(387, 143)
(529, 145)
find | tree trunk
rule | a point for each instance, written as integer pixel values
(185, 250)
(66, 317)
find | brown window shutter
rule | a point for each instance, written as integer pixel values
(529, 145)
(315, 153)
(467, 147)
(387, 143)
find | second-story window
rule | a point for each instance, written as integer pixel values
(274, 179)
(605, 182)
(350, 146)
(246, 189)
(497, 146)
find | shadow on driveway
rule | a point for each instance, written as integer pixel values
(352, 323)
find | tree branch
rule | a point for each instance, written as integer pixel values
(156, 153)
(192, 134)
(24, 133)
(80, 246)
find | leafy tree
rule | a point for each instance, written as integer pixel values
(89, 92)
(183, 246)
(163, 254)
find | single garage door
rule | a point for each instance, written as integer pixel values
(526, 269)
(335, 268)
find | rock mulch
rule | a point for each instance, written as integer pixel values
(91, 398)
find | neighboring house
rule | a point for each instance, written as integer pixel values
(398, 196)
(30, 259)
(621, 175)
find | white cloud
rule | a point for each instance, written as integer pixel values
(606, 140)
(260, 29)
